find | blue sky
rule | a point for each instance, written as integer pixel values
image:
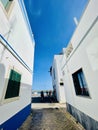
(52, 25)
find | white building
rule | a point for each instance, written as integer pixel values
(16, 64)
(57, 78)
(80, 69)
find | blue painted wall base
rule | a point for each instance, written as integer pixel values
(16, 121)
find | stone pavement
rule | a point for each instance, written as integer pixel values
(50, 118)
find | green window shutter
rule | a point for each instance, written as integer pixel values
(15, 76)
(13, 85)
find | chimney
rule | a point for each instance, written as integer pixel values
(76, 21)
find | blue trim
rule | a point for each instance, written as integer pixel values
(15, 53)
(16, 121)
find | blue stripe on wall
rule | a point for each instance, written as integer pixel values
(15, 53)
(16, 121)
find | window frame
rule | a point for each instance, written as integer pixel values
(13, 85)
(80, 83)
(7, 100)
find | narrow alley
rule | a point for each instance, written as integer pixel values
(50, 116)
(48, 64)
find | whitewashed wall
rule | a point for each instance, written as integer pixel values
(8, 109)
(84, 55)
(58, 78)
(21, 41)
(19, 36)
(85, 22)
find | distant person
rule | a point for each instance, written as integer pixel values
(50, 96)
(47, 93)
(54, 95)
(50, 93)
(42, 95)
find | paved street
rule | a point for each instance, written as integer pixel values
(50, 116)
(50, 119)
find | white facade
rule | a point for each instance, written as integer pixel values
(79, 67)
(57, 79)
(16, 54)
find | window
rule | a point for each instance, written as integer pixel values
(13, 85)
(6, 4)
(61, 83)
(80, 83)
